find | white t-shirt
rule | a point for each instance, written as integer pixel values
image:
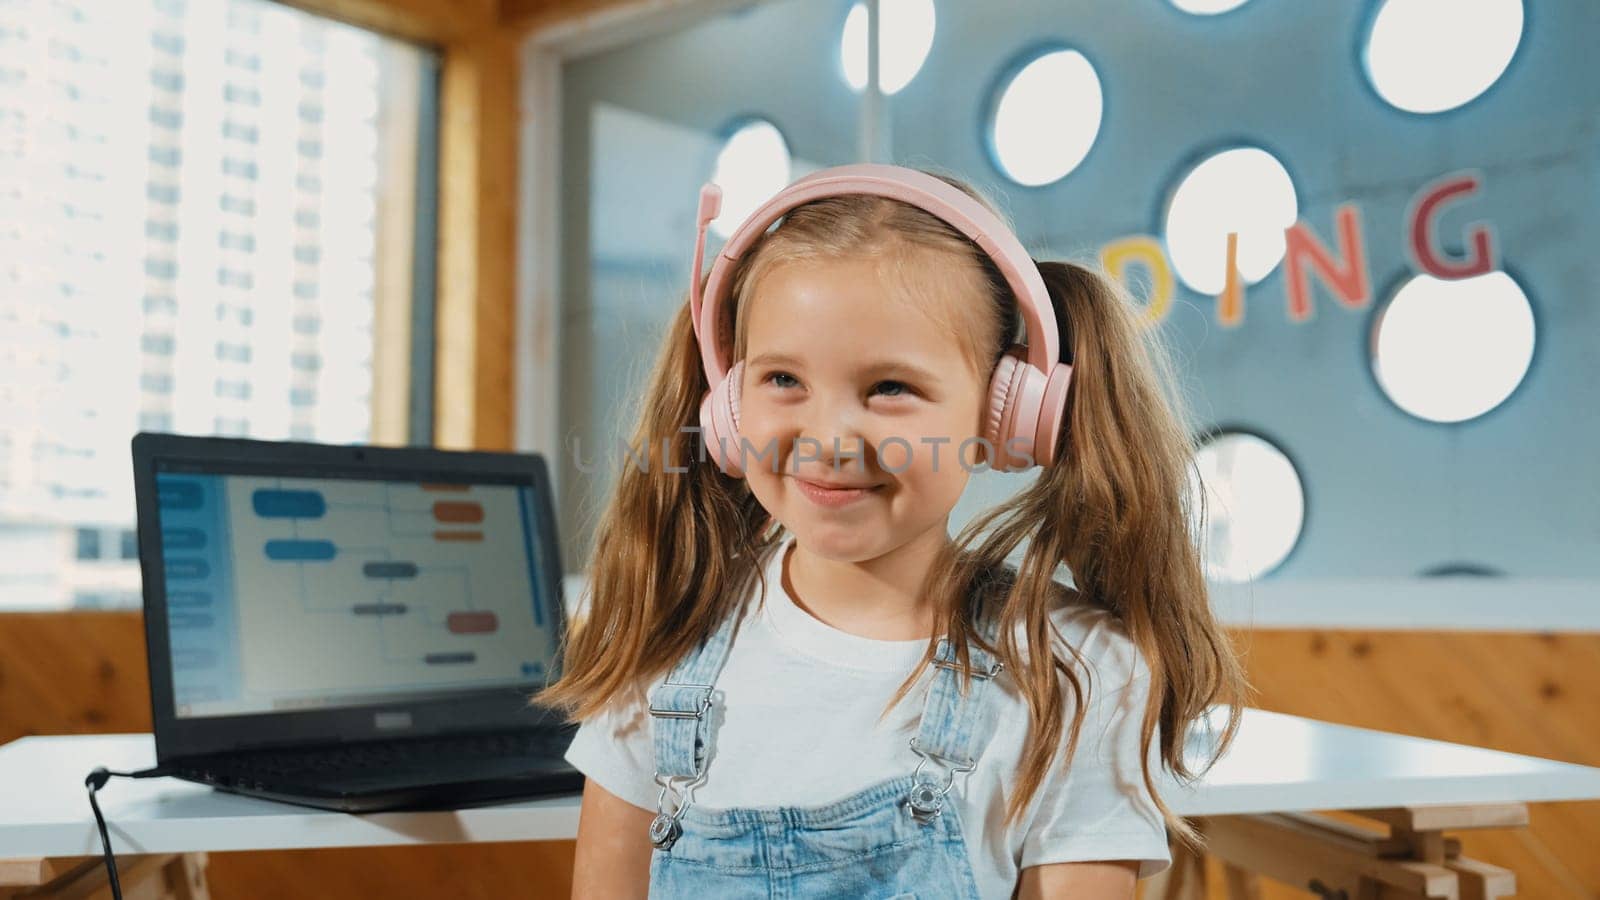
(800, 728)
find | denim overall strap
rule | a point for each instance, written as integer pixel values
(681, 731)
(679, 704)
(954, 727)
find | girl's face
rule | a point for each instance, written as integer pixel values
(859, 403)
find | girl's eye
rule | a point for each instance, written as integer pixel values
(887, 388)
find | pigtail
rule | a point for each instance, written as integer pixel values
(1118, 501)
(674, 550)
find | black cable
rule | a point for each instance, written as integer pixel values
(94, 782)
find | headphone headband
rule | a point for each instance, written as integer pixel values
(917, 188)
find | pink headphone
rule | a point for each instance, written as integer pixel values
(1028, 390)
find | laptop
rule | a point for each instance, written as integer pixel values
(351, 627)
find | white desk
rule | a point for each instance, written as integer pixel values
(1277, 764)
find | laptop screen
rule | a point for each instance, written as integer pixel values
(296, 593)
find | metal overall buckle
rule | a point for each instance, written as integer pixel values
(666, 827)
(926, 799)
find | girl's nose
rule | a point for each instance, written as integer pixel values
(837, 428)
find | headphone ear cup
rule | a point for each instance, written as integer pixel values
(1052, 415)
(1005, 388)
(1026, 411)
(994, 411)
(719, 422)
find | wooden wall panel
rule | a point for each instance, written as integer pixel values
(394, 278)
(1530, 693)
(525, 16)
(429, 22)
(72, 673)
(84, 672)
(476, 317)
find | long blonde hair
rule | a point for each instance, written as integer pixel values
(676, 552)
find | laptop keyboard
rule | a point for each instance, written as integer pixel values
(385, 755)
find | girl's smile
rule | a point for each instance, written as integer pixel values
(835, 495)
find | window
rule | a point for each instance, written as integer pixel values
(241, 95)
(235, 390)
(155, 421)
(228, 240)
(905, 34)
(1046, 118)
(167, 43)
(166, 118)
(752, 166)
(235, 278)
(1255, 505)
(1461, 570)
(1426, 57)
(175, 192)
(239, 131)
(244, 315)
(1242, 190)
(239, 167)
(1207, 7)
(248, 61)
(227, 352)
(167, 81)
(88, 543)
(1449, 351)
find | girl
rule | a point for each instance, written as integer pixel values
(792, 680)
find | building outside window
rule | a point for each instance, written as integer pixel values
(181, 249)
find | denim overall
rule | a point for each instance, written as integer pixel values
(896, 839)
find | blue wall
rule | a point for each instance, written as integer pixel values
(1387, 495)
